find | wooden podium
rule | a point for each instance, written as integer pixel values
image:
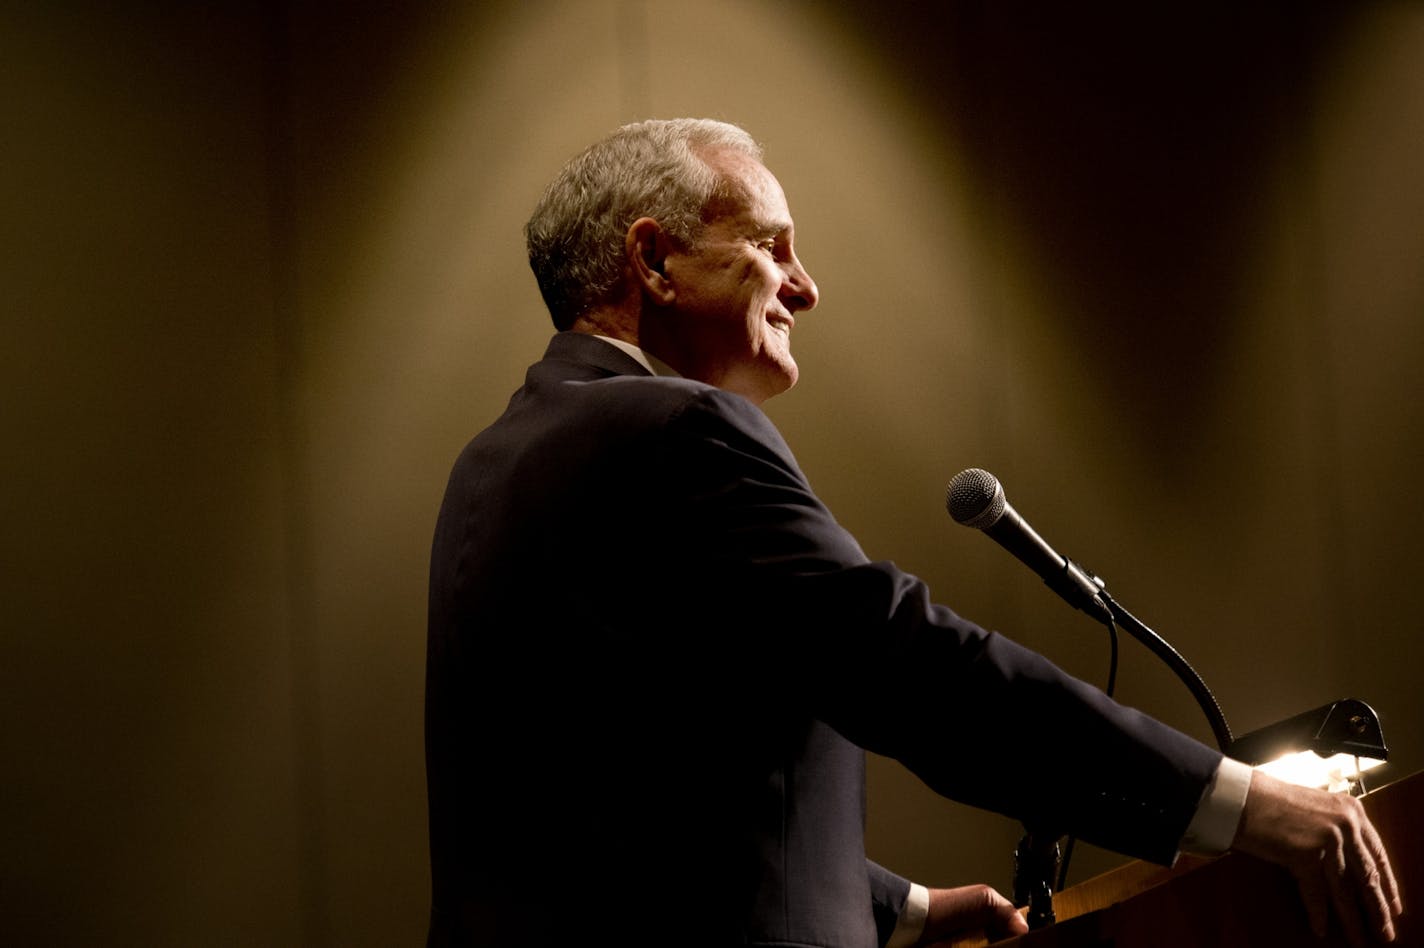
(1232, 901)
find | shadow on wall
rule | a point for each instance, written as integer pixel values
(1129, 157)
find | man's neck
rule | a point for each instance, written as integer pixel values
(609, 322)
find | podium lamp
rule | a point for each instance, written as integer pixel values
(1330, 747)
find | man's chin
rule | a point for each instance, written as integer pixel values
(765, 381)
(782, 377)
(791, 373)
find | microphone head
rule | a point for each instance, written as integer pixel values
(975, 498)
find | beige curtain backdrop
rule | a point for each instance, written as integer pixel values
(263, 278)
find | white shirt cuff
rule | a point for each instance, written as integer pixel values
(1213, 828)
(911, 924)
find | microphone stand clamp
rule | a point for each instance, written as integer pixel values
(1035, 869)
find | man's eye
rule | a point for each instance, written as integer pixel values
(768, 245)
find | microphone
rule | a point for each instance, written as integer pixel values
(975, 498)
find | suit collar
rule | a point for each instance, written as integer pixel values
(593, 352)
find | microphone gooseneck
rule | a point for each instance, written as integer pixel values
(975, 498)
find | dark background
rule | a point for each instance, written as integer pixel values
(1158, 270)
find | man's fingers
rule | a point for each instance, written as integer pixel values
(972, 907)
(1007, 921)
(1375, 883)
(1352, 871)
(1334, 852)
(984, 907)
(1389, 888)
(1344, 896)
(1315, 894)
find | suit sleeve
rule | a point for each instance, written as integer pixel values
(888, 893)
(865, 648)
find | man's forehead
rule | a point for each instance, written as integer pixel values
(753, 189)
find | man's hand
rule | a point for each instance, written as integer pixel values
(1329, 845)
(971, 908)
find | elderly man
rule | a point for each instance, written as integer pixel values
(656, 660)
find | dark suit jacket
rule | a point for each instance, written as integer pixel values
(655, 659)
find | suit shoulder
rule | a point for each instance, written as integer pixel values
(711, 411)
(661, 402)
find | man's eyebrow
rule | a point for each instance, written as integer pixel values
(771, 227)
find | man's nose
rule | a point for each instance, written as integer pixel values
(798, 290)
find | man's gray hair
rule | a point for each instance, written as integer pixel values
(649, 169)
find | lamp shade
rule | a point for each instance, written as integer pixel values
(1329, 746)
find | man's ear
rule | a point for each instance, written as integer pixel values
(647, 245)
